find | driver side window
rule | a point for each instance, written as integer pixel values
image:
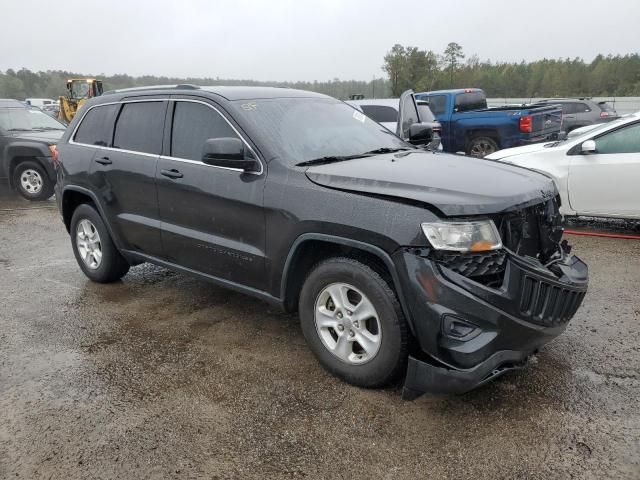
(193, 124)
(623, 140)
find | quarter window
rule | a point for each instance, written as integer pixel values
(623, 140)
(95, 128)
(193, 124)
(139, 127)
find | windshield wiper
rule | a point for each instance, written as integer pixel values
(19, 130)
(386, 150)
(341, 158)
(330, 159)
(48, 128)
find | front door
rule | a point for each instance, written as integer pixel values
(606, 182)
(212, 217)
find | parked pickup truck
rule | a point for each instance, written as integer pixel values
(469, 126)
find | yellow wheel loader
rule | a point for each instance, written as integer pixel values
(78, 91)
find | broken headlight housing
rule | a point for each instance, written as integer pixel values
(474, 236)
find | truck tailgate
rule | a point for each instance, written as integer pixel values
(546, 120)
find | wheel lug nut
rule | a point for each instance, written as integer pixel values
(351, 334)
(349, 312)
(356, 324)
(340, 327)
(339, 314)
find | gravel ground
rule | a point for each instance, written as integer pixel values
(164, 376)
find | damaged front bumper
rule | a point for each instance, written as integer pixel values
(469, 332)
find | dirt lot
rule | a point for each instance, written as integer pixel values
(164, 376)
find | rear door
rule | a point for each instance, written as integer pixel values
(123, 174)
(606, 182)
(212, 217)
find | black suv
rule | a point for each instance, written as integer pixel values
(27, 147)
(448, 268)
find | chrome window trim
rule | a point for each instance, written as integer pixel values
(168, 157)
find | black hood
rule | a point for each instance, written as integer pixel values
(44, 136)
(454, 184)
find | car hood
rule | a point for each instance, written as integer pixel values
(454, 184)
(510, 152)
(46, 136)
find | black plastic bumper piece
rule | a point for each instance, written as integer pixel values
(425, 377)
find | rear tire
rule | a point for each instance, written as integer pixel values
(93, 247)
(32, 181)
(360, 337)
(480, 147)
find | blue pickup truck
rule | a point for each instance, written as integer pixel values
(469, 126)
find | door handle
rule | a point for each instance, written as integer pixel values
(104, 161)
(173, 173)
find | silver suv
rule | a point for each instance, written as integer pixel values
(580, 112)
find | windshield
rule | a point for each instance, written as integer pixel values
(27, 119)
(302, 129)
(80, 89)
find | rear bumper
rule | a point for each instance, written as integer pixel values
(509, 322)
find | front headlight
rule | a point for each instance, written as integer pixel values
(477, 236)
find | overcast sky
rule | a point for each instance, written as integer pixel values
(299, 40)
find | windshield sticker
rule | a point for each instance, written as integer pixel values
(359, 116)
(249, 107)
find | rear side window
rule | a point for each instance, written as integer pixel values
(380, 113)
(95, 128)
(468, 101)
(193, 124)
(623, 140)
(139, 127)
(438, 104)
(569, 108)
(582, 108)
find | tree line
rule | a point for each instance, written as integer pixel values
(421, 70)
(405, 68)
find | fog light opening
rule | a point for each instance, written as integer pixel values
(458, 329)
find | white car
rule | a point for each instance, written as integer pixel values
(597, 173)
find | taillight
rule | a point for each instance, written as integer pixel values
(54, 154)
(604, 114)
(526, 124)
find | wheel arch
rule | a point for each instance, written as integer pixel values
(310, 248)
(16, 153)
(76, 192)
(474, 133)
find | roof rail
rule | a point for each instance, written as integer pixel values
(180, 86)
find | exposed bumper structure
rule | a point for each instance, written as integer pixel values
(470, 333)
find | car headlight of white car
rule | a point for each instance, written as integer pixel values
(474, 236)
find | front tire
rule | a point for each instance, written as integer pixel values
(32, 182)
(93, 247)
(480, 147)
(353, 323)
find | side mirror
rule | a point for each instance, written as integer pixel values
(589, 146)
(228, 152)
(420, 134)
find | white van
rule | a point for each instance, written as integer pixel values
(40, 102)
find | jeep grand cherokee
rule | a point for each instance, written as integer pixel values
(450, 270)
